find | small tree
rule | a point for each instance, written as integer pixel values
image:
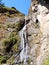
(14, 8)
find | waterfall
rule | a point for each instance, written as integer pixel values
(24, 44)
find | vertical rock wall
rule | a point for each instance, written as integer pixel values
(38, 31)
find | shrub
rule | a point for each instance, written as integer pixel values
(7, 42)
(13, 8)
(2, 59)
(46, 62)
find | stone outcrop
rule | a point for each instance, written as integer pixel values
(40, 13)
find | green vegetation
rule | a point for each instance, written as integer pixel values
(10, 12)
(29, 60)
(2, 59)
(9, 33)
(16, 26)
(1, 25)
(46, 62)
(16, 48)
(7, 8)
(13, 8)
(9, 42)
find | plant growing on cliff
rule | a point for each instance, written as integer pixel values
(46, 61)
(8, 43)
(11, 41)
(2, 59)
(18, 26)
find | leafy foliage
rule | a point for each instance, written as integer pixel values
(2, 59)
(46, 61)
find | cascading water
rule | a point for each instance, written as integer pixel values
(24, 44)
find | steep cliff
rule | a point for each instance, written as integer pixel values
(11, 22)
(39, 32)
(15, 35)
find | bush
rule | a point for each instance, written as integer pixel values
(13, 8)
(2, 59)
(11, 41)
(7, 42)
(46, 62)
(15, 48)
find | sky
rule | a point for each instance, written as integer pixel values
(21, 5)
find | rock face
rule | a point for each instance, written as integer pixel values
(39, 32)
(9, 36)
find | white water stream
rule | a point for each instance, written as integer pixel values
(24, 44)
